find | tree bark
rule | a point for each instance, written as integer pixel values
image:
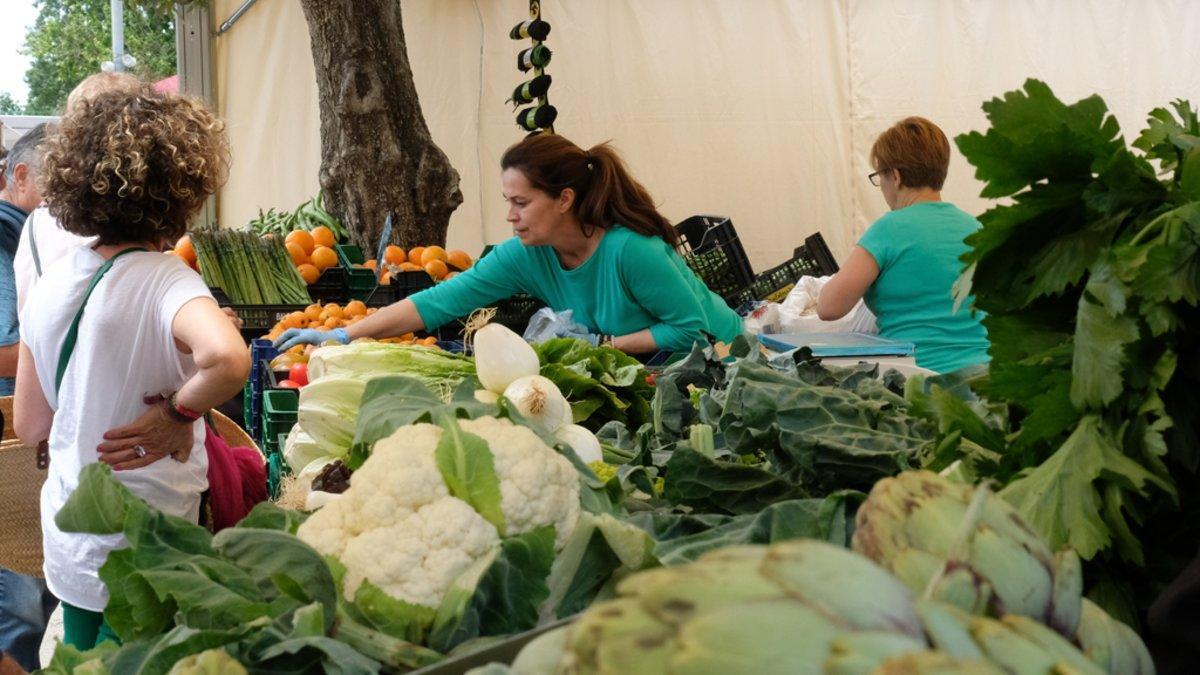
(376, 152)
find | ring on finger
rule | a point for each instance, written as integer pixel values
(139, 451)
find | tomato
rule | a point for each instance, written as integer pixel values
(299, 374)
(288, 384)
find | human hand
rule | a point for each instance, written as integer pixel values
(151, 437)
(309, 336)
(233, 317)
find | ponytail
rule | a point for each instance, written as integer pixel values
(606, 194)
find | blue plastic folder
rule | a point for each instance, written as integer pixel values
(834, 345)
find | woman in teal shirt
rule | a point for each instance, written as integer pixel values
(905, 265)
(588, 239)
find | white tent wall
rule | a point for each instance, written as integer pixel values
(762, 110)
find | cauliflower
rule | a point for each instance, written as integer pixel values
(399, 527)
(538, 486)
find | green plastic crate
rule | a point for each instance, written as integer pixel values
(279, 415)
(360, 281)
(275, 474)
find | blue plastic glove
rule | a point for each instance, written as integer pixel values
(309, 336)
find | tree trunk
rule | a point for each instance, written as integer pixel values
(376, 151)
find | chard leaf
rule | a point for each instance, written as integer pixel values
(725, 487)
(269, 516)
(282, 560)
(99, 505)
(1061, 498)
(682, 538)
(469, 470)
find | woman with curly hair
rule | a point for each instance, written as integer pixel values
(123, 348)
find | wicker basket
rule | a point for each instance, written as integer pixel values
(20, 493)
(20, 501)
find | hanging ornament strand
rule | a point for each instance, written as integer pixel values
(534, 60)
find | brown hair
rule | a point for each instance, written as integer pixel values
(127, 166)
(605, 193)
(918, 148)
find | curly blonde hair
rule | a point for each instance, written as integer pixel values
(134, 165)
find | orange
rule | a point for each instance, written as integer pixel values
(309, 273)
(355, 308)
(415, 253)
(304, 239)
(387, 277)
(332, 323)
(299, 257)
(323, 236)
(334, 310)
(450, 276)
(409, 267)
(293, 320)
(185, 250)
(370, 264)
(458, 259)
(312, 311)
(432, 253)
(324, 257)
(436, 269)
(392, 255)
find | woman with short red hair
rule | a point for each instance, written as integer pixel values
(905, 265)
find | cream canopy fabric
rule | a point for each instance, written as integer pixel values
(761, 110)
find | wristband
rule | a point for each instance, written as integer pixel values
(179, 412)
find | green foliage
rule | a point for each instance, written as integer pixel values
(71, 38)
(9, 105)
(1091, 281)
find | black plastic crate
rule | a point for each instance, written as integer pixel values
(258, 320)
(331, 286)
(711, 247)
(405, 284)
(812, 259)
(818, 251)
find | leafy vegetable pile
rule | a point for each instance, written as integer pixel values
(755, 451)
(603, 384)
(1091, 282)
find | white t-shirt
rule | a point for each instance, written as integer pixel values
(124, 352)
(53, 244)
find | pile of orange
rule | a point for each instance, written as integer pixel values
(326, 317)
(435, 261)
(185, 251)
(312, 252)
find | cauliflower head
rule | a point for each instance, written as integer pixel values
(399, 527)
(538, 486)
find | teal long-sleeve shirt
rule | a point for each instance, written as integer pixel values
(630, 283)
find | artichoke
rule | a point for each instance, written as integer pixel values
(212, 662)
(982, 557)
(747, 609)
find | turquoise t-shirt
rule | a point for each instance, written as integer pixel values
(630, 283)
(918, 249)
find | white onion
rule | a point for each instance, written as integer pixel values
(583, 442)
(502, 357)
(485, 396)
(538, 399)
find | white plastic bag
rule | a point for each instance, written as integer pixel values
(798, 312)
